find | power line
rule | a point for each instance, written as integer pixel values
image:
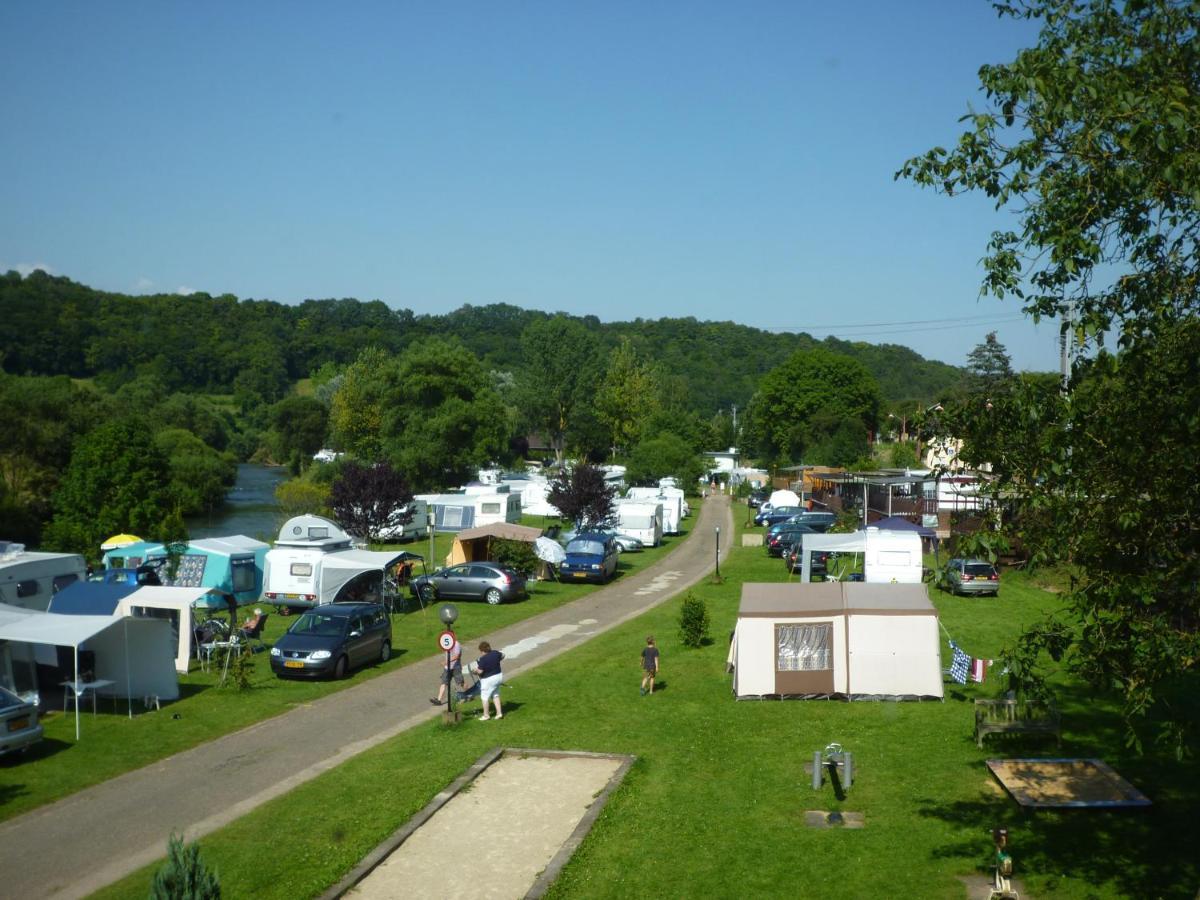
(846, 331)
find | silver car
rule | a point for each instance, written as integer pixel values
(972, 576)
(19, 726)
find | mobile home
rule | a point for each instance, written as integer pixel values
(414, 528)
(28, 579)
(672, 505)
(456, 512)
(641, 519)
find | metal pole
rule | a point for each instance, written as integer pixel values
(849, 770)
(818, 763)
(450, 680)
(718, 551)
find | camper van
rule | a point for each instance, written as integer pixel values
(640, 519)
(672, 505)
(457, 512)
(29, 579)
(314, 561)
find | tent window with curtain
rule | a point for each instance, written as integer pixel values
(804, 648)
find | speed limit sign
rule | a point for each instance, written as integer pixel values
(446, 640)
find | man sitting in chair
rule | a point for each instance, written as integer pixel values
(251, 629)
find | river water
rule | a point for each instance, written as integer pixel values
(250, 507)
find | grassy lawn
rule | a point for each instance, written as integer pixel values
(111, 744)
(714, 805)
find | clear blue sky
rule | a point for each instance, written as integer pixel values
(728, 161)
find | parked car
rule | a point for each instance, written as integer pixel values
(819, 567)
(19, 726)
(591, 556)
(972, 576)
(757, 498)
(779, 541)
(818, 521)
(626, 543)
(776, 514)
(488, 581)
(332, 639)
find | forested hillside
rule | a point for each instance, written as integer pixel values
(54, 326)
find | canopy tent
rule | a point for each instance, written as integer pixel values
(887, 555)
(843, 639)
(130, 654)
(899, 523)
(175, 605)
(475, 543)
(89, 598)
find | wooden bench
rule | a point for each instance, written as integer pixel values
(1016, 716)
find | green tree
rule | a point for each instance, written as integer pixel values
(988, 365)
(299, 424)
(198, 476)
(356, 410)
(184, 875)
(300, 496)
(628, 395)
(443, 418)
(1090, 139)
(560, 358)
(582, 495)
(665, 454)
(813, 387)
(116, 482)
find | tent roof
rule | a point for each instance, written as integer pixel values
(362, 560)
(834, 598)
(173, 597)
(227, 546)
(899, 523)
(89, 598)
(31, 627)
(505, 530)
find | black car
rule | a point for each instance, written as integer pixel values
(471, 581)
(817, 521)
(757, 498)
(779, 541)
(818, 568)
(332, 639)
(777, 514)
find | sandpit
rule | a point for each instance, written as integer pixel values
(504, 830)
(1065, 783)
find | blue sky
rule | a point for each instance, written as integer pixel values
(728, 161)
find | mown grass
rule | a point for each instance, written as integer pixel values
(110, 743)
(714, 805)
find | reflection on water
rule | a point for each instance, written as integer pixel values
(250, 507)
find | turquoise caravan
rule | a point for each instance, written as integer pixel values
(231, 565)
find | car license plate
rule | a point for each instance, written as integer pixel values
(580, 574)
(18, 724)
(291, 596)
(293, 664)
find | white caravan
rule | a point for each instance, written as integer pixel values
(411, 530)
(314, 562)
(641, 519)
(889, 557)
(29, 579)
(672, 505)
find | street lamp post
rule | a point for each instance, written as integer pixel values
(718, 551)
(448, 613)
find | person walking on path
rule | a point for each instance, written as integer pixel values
(649, 665)
(490, 678)
(451, 668)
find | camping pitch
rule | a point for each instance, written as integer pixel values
(836, 639)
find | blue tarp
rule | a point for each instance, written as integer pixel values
(899, 523)
(90, 598)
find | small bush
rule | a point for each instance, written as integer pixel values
(693, 621)
(184, 876)
(515, 555)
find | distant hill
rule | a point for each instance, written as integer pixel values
(50, 325)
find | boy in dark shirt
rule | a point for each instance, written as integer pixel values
(649, 665)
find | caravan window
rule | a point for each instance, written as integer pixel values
(303, 570)
(243, 574)
(895, 558)
(27, 588)
(640, 521)
(62, 581)
(491, 509)
(452, 516)
(804, 648)
(318, 533)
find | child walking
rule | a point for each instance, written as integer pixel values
(649, 665)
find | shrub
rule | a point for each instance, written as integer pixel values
(515, 555)
(693, 621)
(184, 876)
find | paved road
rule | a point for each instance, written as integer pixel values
(99, 835)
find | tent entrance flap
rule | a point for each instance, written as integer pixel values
(804, 658)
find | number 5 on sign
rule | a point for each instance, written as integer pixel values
(446, 640)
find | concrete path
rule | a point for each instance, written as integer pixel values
(99, 835)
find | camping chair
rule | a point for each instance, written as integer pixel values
(251, 632)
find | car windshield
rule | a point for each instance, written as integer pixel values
(979, 569)
(593, 548)
(315, 624)
(8, 698)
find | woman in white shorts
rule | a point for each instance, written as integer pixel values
(490, 678)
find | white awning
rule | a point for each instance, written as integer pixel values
(337, 569)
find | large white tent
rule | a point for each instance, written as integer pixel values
(133, 655)
(888, 556)
(836, 639)
(174, 604)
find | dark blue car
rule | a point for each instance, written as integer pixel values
(591, 556)
(332, 639)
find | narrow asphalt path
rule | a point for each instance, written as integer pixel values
(83, 842)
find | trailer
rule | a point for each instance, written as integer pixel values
(672, 505)
(457, 512)
(28, 579)
(641, 519)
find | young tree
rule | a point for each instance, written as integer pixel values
(1089, 138)
(370, 501)
(582, 495)
(663, 455)
(356, 410)
(628, 395)
(561, 359)
(299, 424)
